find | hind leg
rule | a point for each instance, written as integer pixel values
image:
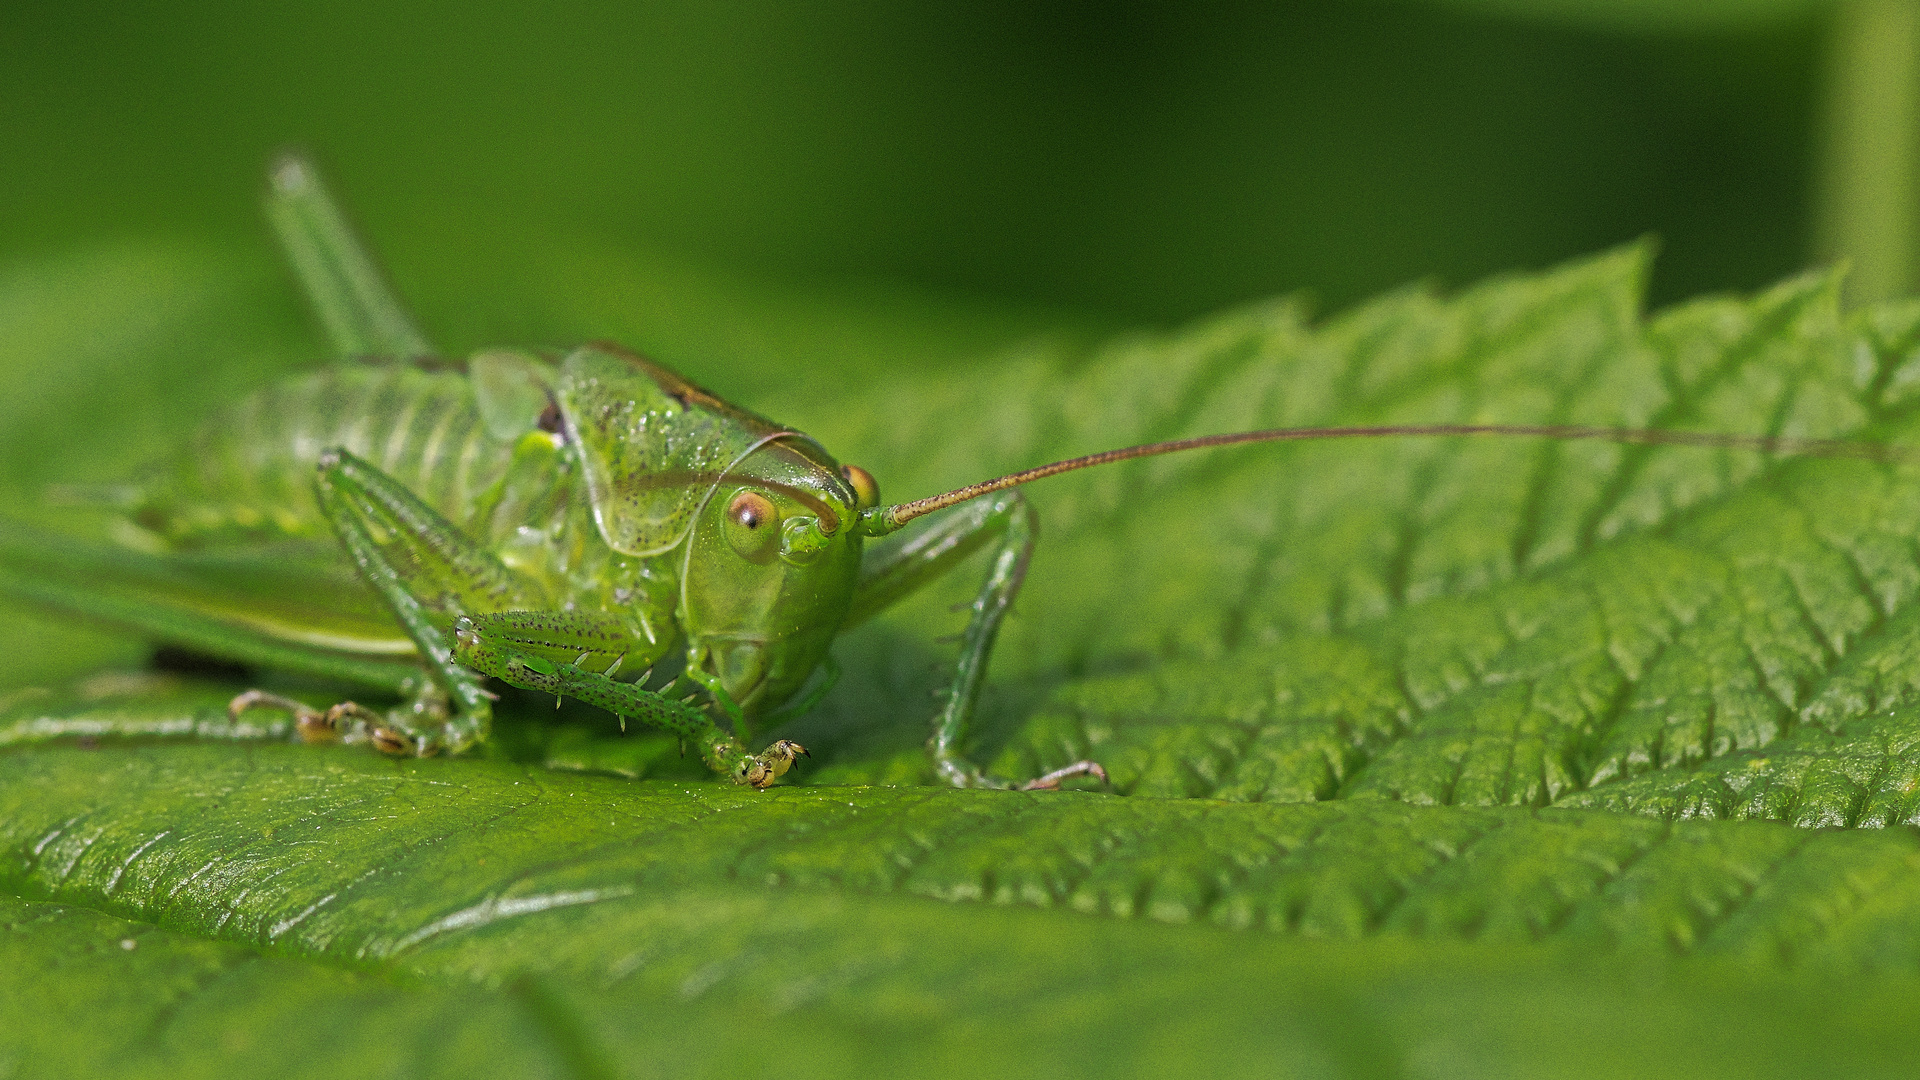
(362, 316)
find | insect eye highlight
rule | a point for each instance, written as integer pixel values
(752, 525)
(866, 489)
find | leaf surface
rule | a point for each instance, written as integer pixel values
(1488, 622)
(453, 913)
(1431, 756)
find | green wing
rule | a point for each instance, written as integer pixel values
(293, 605)
(651, 444)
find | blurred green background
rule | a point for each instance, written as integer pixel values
(1132, 161)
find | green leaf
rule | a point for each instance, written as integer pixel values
(1407, 735)
(1660, 630)
(449, 913)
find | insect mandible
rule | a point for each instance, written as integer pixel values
(590, 525)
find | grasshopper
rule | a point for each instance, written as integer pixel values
(591, 525)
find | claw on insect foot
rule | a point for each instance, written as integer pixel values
(318, 728)
(388, 741)
(350, 722)
(346, 722)
(1051, 781)
(770, 764)
(312, 725)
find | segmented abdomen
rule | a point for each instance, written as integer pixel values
(250, 469)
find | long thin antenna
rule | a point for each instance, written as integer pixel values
(884, 519)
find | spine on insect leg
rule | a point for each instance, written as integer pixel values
(484, 650)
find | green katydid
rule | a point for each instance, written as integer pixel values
(565, 525)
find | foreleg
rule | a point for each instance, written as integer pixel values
(893, 570)
(507, 645)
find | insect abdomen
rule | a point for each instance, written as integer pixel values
(250, 469)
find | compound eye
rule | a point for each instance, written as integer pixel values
(753, 526)
(866, 490)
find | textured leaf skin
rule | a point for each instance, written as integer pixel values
(1409, 740)
(1512, 622)
(343, 855)
(447, 913)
